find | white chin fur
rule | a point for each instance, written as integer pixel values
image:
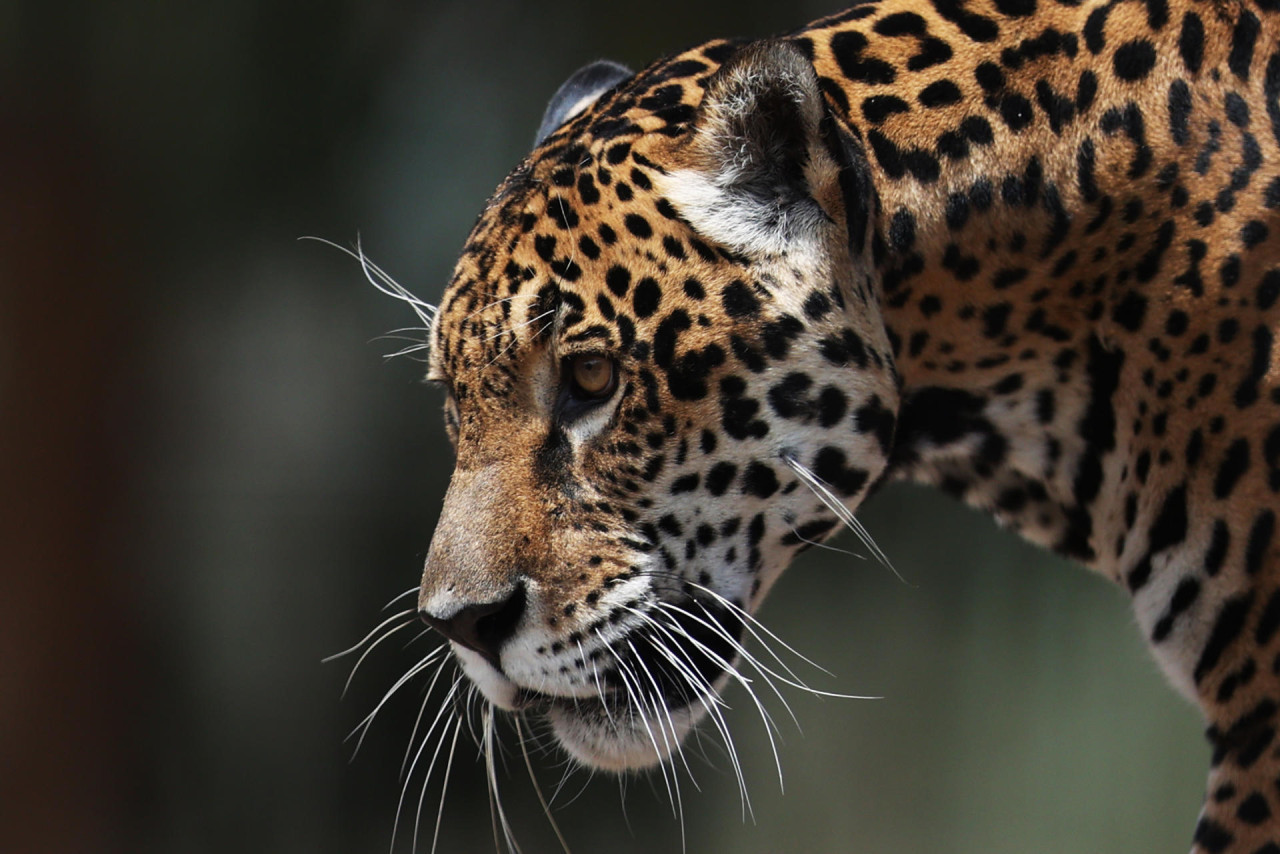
(623, 743)
(615, 741)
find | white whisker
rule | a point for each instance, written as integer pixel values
(422, 709)
(365, 639)
(514, 329)
(595, 675)
(825, 546)
(636, 704)
(711, 701)
(394, 599)
(440, 715)
(492, 772)
(444, 789)
(496, 303)
(660, 705)
(770, 726)
(750, 623)
(533, 778)
(378, 277)
(363, 726)
(515, 339)
(710, 623)
(373, 646)
(419, 347)
(843, 513)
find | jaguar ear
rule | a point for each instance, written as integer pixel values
(756, 153)
(579, 92)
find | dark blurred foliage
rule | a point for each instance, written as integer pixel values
(210, 479)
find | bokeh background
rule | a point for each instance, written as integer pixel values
(210, 478)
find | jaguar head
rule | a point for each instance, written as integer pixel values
(666, 374)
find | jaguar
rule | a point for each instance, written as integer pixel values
(1016, 249)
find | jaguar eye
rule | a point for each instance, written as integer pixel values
(593, 377)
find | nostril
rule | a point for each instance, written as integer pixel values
(483, 627)
(496, 625)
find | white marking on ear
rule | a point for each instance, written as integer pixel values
(756, 155)
(740, 220)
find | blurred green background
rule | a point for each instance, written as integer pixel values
(210, 478)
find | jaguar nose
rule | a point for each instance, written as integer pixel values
(483, 627)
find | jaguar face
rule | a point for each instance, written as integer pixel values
(666, 374)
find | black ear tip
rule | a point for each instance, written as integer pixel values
(577, 93)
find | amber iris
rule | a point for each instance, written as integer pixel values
(593, 376)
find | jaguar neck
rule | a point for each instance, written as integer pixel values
(1006, 403)
(1007, 282)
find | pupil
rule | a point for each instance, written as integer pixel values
(592, 374)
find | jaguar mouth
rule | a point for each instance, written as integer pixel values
(661, 678)
(676, 655)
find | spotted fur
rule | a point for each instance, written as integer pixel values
(1019, 249)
